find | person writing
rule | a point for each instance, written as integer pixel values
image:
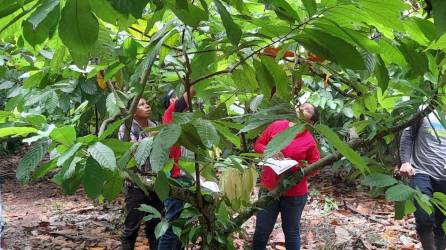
(134, 196)
(291, 204)
(423, 158)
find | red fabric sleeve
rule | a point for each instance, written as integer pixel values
(313, 155)
(262, 141)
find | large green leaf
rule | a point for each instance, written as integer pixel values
(161, 228)
(169, 135)
(283, 10)
(78, 27)
(159, 155)
(43, 12)
(153, 212)
(399, 192)
(16, 131)
(143, 151)
(65, 135)
(439, 13)
(162, 187)
(282, 140)
(335, 49)
(264, 78)
(207, 132)
(113, 187)
(342, 147)
(133, 7)
(378, 180)
(103, 155)
(30, 160)
(93, 178)
(280, 78)
(245, 77)
(191, 16)
(228, 134)
(233, 31)
(68, 154)
(382, 74)
(310, 6)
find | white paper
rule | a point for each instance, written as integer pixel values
(279, 166)
(211, 186)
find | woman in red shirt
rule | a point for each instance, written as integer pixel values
(291, 204)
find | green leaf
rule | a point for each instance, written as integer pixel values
(78, 27)
(283, 10)
(42, 12)
(161, 228)
(30, 160)
(191, 16)
(34, 80)
(282, 140)
(169, 135)
(65, 135)
(378, 180)
(228, 134)
(133, 7)
(159, 155)
(68, 154)
(334, 48)
(280, 78)
(417, 60)
(207, 132)
(310, 6)
(245, 77)
(113, 187)
(103, 155)
(16, 131)
(439, 14)
(44, 169)
(151, 210)
(381, 73)
(93, 179)
(143, 151)
(399, 192)
(342, 147)
(264, 78)
(233, 31)
(162, 187)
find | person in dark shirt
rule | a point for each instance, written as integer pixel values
(174, 207)
(134, 196)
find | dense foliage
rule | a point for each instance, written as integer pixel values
(68, 69)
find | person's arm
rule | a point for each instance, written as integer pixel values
(313, 155)
(262, 141)
(406, 149)
(192, 94)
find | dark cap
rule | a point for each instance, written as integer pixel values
(167, 97)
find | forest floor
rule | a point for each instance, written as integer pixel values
(337, 216)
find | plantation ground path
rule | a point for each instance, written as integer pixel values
(40, 216)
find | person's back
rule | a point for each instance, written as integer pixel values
(423, 158)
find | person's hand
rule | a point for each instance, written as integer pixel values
(279, 156)
(407, 170)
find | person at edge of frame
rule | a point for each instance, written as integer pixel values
(423, 160)
(134, 196)
(291, 204)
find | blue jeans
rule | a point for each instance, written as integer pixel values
(290, 208)
(426, 223)
(169, 240)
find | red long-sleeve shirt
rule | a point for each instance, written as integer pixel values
(175, 151)
(302, 148)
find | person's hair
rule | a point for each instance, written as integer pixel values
(316, 115)
(166, 98)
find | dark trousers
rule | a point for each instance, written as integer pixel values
(425, 223)
(134, 197)
(169, 241)
(290, 208)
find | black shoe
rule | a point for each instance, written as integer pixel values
(127, 245)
